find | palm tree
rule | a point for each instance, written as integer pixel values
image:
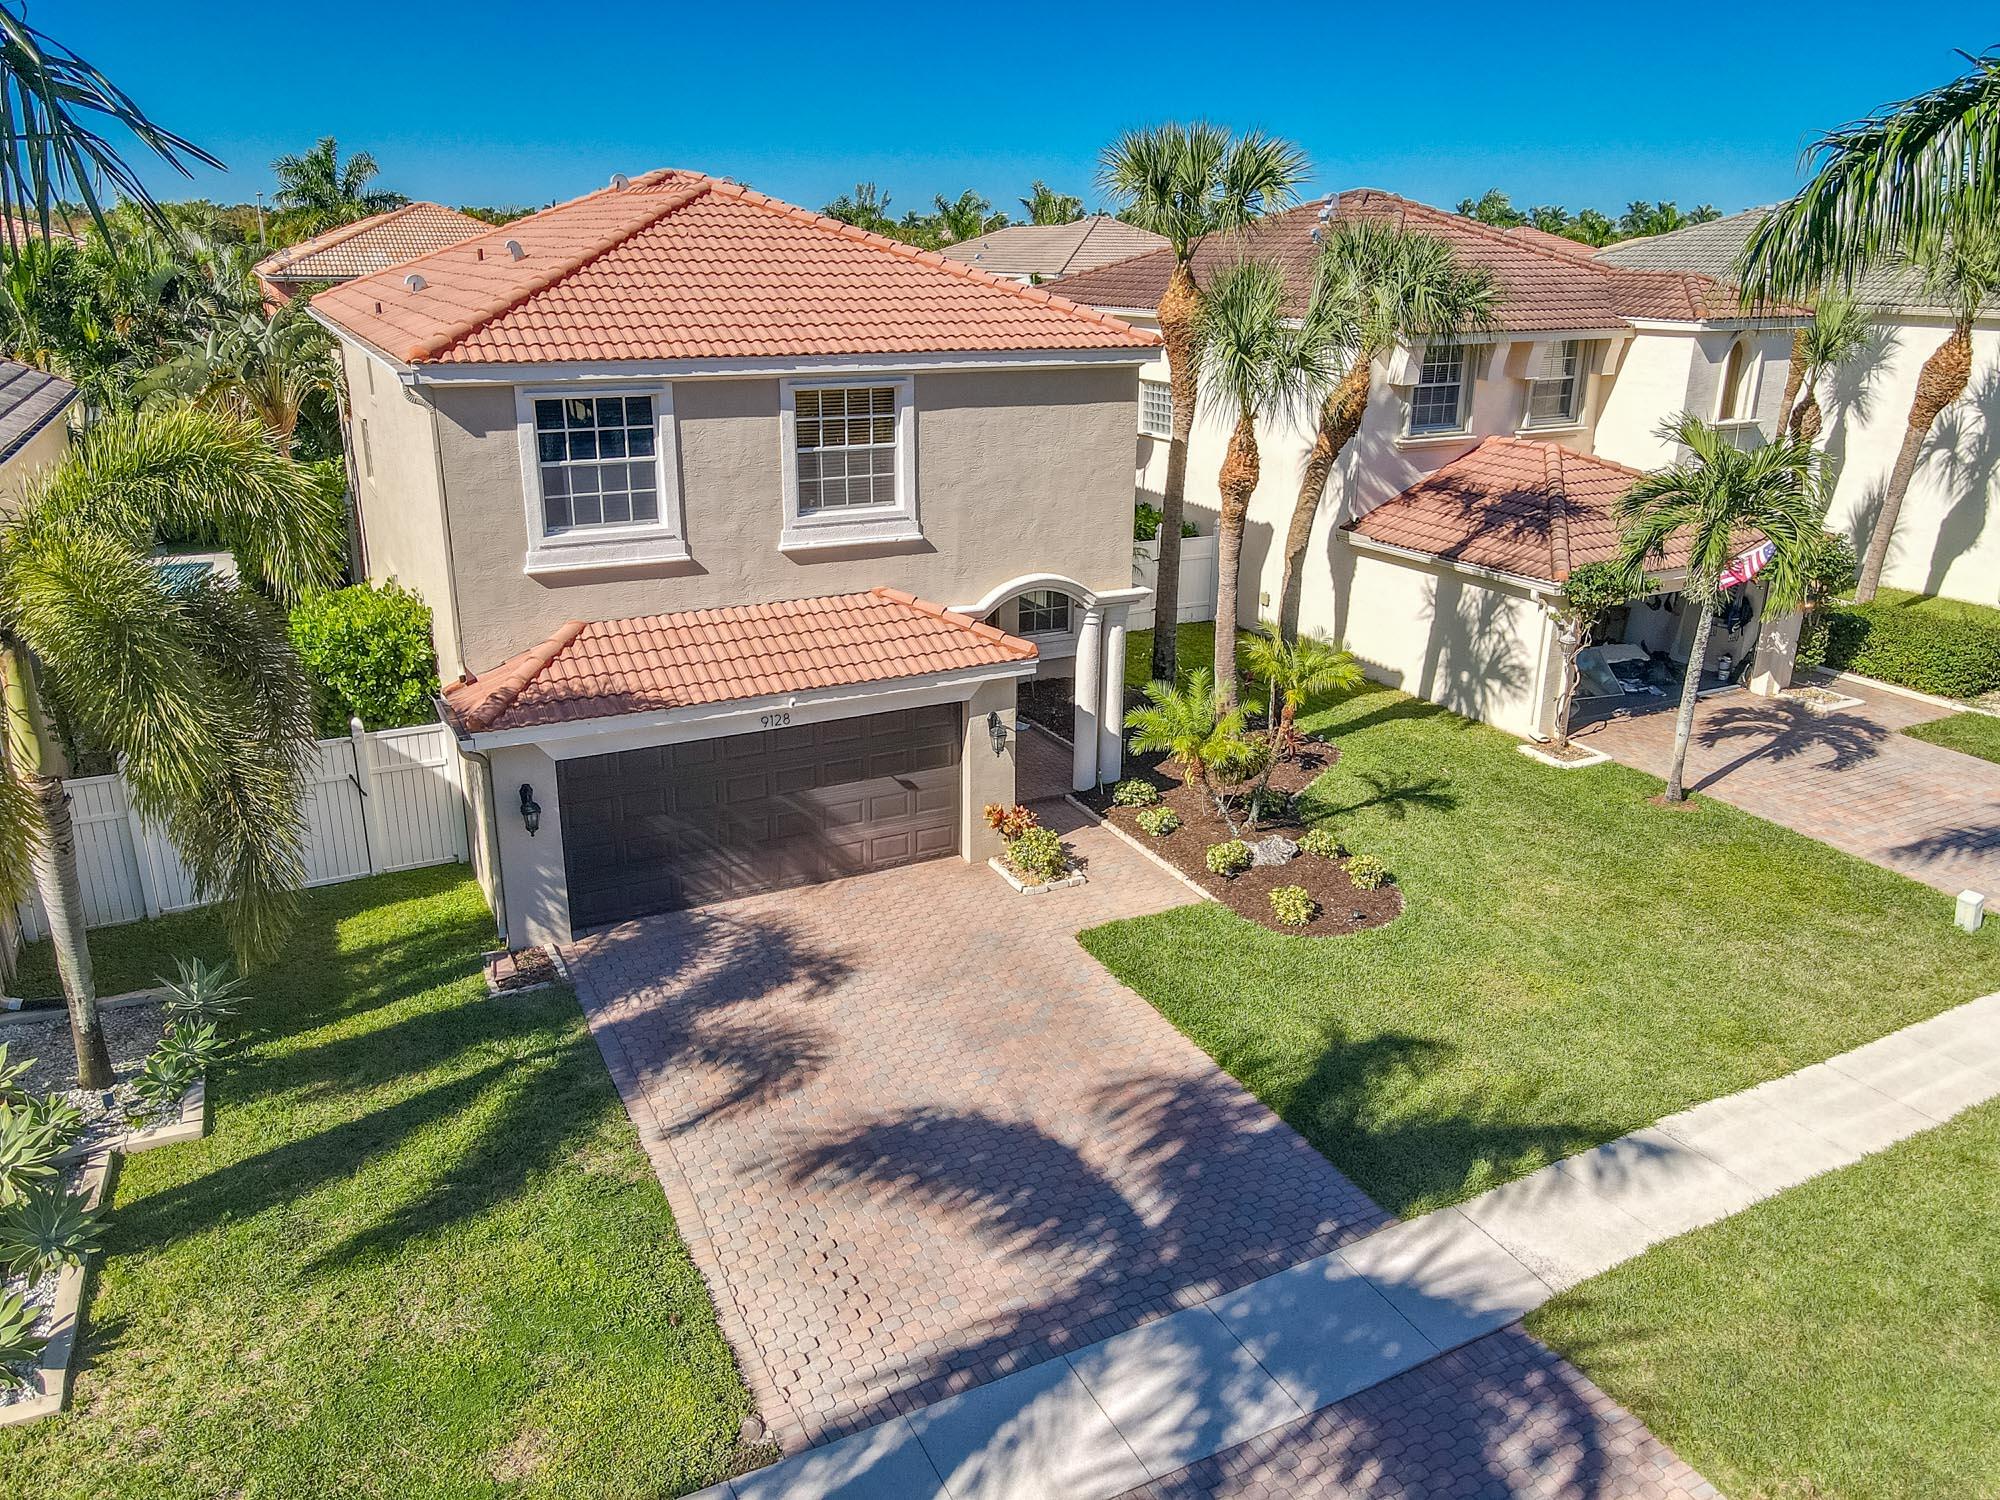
(315, 192)
(1295, 671)
(1841, 328)
(1184, 183)
(1712, 503)
(1643, 219)
(1047, 206)
(1493, 207)
(1963, 273)
(54, 112)
(966, 217)
(867, 207)
(1395, 285)
(195, 688)
(1592, 227)
(267, 369)
(1204, 738)
(1899, 181)
(1255, 362)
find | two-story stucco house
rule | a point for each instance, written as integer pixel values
(740, 527)
(1487, 467)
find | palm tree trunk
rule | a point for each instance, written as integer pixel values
(1237, 482)
(1339, 420)
(1807, 417)
(1177, 332)
(1795, 377)
(1690, 690)
(1942, 381)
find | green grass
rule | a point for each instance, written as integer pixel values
(1575, 961)
(1973, 734)
(421, 1252)
(1840, 1339)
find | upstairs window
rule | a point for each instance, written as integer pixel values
(1044, 612)
(1156, 408)
(1437, 404)
(1739, 385)
(1555, 385)
(846, 438)
(598, 461)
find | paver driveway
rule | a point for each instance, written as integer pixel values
(918, 1138)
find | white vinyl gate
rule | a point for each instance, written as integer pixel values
(381, 801)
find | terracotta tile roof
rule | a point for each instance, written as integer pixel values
(1054, 249)
(675, 265)
(1562, 244)
(659, 662)
(1528, 508)
(1542, 289)
(372, 244)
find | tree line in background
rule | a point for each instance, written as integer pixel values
(950, 220)
(1586, 226)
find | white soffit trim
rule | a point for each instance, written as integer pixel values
(818, 365)
(1410, 554)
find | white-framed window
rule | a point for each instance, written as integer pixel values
(1044, 612)
(849, 461)
(1439, 399)
(1737, 400)
(1555, 385)
(600, 477)
(1156, 408)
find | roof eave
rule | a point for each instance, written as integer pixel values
(1476, 570)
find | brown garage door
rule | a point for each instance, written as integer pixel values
(682, 825)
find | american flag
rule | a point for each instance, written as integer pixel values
(1748, 566)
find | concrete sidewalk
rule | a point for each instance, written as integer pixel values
(1142, 1405)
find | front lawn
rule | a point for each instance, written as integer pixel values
(1574, 963)
(1841, 1339)
(1969, 733)
(420, 1254)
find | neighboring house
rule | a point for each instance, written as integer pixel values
(1042, 252)
(1948, 533)
(363, 247)
(739, 526)
(1486, 467)
(34, 426)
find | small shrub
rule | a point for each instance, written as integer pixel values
(1367, 872)
(18, 1344)
(1010, 822)
(1323, 843)
(367, 654)
(1159, 821)
(1038, 854)
(46, 1231)
(1228, 859)
(1146, 523)
(203, 992)
(1937, 646)
(161, 1082)
(1291, 905)
(1132, 792)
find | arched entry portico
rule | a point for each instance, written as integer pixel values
(1098, 733)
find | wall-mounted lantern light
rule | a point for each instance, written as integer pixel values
(997, 731)
(531, 810)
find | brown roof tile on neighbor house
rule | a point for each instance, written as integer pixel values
(658, 662)
(676, 265)
(372, 244)
(1531, 509)
(1023, 250)
(1542, 289)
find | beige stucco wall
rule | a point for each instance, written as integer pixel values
(1018, 472)
(399, 496)
(35, 455)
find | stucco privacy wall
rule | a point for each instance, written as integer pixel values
(1017, 471)
(1947, 537)
(35, 455)
(400, 499)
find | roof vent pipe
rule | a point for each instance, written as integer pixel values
(414, 282)
(620, 182)
(513, 248)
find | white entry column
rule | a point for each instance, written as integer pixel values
(1089, 699)
(1111, 716)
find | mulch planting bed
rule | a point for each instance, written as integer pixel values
(1343, 907)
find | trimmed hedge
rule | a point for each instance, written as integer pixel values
(367, 654)
(1941, 646)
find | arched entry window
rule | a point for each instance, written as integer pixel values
(1045, 612)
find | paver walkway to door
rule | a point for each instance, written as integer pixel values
(1848, 779)
(1219, 1399)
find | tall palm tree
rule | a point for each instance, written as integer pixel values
(1962, 272)
(264, 368)
(1898, 181)
(1255, 362)
(316, 192)
(194, 688)
(54, 112)
(966, 217)
(1184, 183)
(1393, 285)
(1713, 502)
(1841, 328)
(1046, 206)
(1293, 671)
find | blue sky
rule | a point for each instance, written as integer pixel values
(504, 102)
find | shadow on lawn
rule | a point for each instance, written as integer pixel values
(1394, 794)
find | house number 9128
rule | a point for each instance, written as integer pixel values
(774, 721)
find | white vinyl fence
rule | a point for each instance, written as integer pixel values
(387, 800)
(1198, 579)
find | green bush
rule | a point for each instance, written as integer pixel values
(1146, 523)
(1159, 821)
(1367, 872)
(1038, 854)
(1323, 842)
(1228, 859)
(1291, 905)
(367, 653)
(1132, 792)
(1941, 646)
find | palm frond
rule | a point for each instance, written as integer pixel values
(1185, 182)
